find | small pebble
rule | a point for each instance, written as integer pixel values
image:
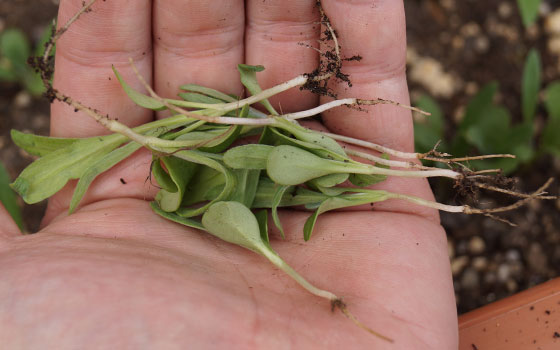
(476, 245)
(505, 9)
(22, 99)
(511, 285)
(513, 255)
(470, 279)
(503, 272)
(458, 264)
(480, 263)
(552, 23)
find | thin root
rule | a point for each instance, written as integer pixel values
(536, 195)
(339, 304)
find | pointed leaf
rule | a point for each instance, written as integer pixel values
(249, 80)
(529, 10)
(102, 165)
(137, 97)
(180, 172)
(252, 156)
(262, 219)
(39, 145)
(345, 201)
(278, 194)
(246, 186)
(531, 84)
(176, 218)
(208, 92)
(47, 175)
(204, 159)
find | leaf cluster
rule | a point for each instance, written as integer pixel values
(15, 49)
(487, 126)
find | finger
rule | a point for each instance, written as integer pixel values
(198, 42)
(109, 35)
(279, 36)
(8, 228)
(376, 32)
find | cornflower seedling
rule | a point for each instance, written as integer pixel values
(227, 191)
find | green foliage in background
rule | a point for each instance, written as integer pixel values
(15, 49)
(487, 126)
(529, 10)
(8, 197)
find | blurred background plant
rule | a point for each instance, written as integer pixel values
(489, 71)
(15, 49)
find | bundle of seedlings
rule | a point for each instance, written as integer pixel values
(209, 176)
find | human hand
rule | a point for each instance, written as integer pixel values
(116, 275)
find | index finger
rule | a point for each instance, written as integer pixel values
(111, 33)
(376, 31)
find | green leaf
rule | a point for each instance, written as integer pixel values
(345, 201)
(324, 182)
(204, 159)
(262, 219)
(49, 174)
(33, 82)
(288, 165)
(481, 101)
(198, 98)
(39, 145)
(15, 46)
(530, 85)
(102, 165)
(252, 156)
(176, 218)
(180, 172)
(276, 199)
(8, 197)
(550, 140)
(235, 223)
(552, 100)
(249, 80)
(364, 180)
(490, 133)
(266, 190)
(206, 185)
(7, 71)
(529, 10)
(208, 92)
(247, 182)
(431, 129)
(310, 136)
(137, 97)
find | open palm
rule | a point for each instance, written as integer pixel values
(115, 275)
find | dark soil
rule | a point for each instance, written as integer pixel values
(490, 259)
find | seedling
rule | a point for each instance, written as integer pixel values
(207, 184)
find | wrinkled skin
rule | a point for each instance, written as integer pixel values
(115, 275)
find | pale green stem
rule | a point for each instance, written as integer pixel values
(371, 170)
(373, 146)
(281, 264)
(344, 102)
(400, 164)
(429, 204)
